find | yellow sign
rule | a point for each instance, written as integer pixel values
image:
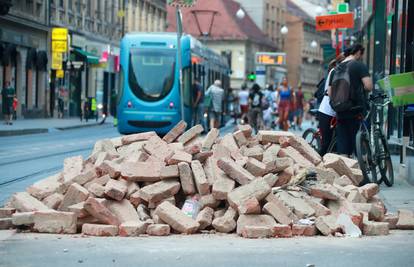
(121, 13)
(57, 61)
(60, 74)
(271, 58)
(59, 46)
(60, 34)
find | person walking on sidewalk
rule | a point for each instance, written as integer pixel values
(15, 104)
(283, 104)
(216, 93)
(255, 100)
(300, 103)
(244, 103)
(8, 94)
(355, 75)
(198, 103)
(292, 109)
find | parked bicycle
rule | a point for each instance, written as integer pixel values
(314, 136)
(372, 151)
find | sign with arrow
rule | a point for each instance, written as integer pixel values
(330, 22)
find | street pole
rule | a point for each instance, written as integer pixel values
(179, 61)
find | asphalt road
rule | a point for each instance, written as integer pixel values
(29, 158)
(206, 250)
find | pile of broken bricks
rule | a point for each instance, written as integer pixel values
(272, 184)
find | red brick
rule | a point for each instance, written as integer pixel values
(173, 134)
(375, 211)
(98, 210)
(99, 229)
(186, 178)
(254, 220)
(255, 167)
(282, 230)
(343, 181)
(101, 181)
(210, 139)
(115, 189)
(303, 230)
(246, 129)
(129, 139)
(6, 223)
(190, 134)
(158, 148)
(136, 199)
(271, 136)
(375, 228)
(392, 220)
(254, 152)
(351, 163)
(176, 218)
(320, 210)
(158, 229)
(97, 190)
(111, 168)
(341, 168)
(123, 210)
(46, 187)
(86, 176)
(356, 197)
(258, 189)
(295, 156)
(159, 190)
(208, 201)
(279, 211)
(299, 206)
(305, 149)
(154, 204)
(179, 156)
(142, 171)
(229, 143)
(235, 171)
(240, 138)
(72, 167)
(169, 172)
(24, 202)
(249, 206)
(55, 222)
(324, 191)
(134, 228)
(369, 190)
(222, 186)
(278, 164)
(6, 212)
(253, 231)
(270, 153)
(205, 218)
(79, 210)
(200, 178)
(405, 220)
(285, 176)
(327, 224)
(203, 156)
(75, 194)
(225, 223)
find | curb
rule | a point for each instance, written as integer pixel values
(44, 130)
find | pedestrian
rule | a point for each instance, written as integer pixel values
(15, 104)
(86, 109)
(60, 103)
(216, 93)
(93, 107)
(244, 103)
(350, 112)
(300, 103)
(292, 109)
(231, 108)
(198, 103)
(325, 112)
(255, 108)
(267, 106)
(283, 104)
(8, 94)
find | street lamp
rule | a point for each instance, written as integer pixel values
(314, 44)
(320, 10)
(240, 14)
(284, 30)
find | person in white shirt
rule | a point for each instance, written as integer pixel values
(244, 103)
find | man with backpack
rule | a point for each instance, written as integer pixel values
(347, 97)
(255, 100)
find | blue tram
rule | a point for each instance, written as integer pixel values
(149, 97)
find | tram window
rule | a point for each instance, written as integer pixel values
(120, 85)
(187, 86)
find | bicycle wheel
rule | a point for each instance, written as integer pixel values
(313, 138)
(384, 160)
(365, 160)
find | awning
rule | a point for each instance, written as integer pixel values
(90, 58)
(9, 55)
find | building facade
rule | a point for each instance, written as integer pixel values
(24, 47)
(303, 48)
(146, 16)
(238, 40)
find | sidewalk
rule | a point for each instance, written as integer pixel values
(35, 126)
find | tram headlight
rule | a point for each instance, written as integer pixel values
(171, 105)
(129, 104)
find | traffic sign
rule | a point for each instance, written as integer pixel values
(60, 34)
(266, 58)
(330, 22)
(182, 3)
(59, 46)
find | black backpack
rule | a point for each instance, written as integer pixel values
(342, 95)
(320, 92)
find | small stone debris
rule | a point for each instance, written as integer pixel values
(269, 185)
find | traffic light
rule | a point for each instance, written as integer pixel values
(5, 6)
(251, 77)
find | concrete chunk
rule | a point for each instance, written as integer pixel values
(176, 218)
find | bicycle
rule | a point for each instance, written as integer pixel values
(372, 151)
(314, 136)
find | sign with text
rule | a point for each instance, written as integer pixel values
(60, 34)
(182, 3)
(330, 22)
(264, 58)
(60, 74)
(59, 46)
(57, 59)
